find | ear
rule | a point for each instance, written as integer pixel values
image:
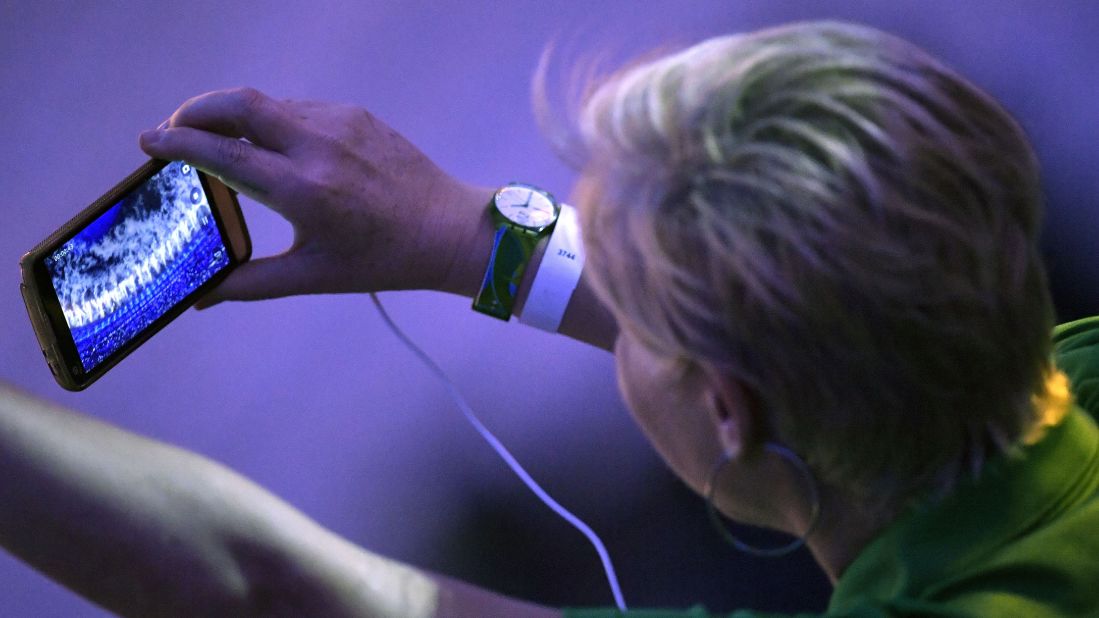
(732, 412)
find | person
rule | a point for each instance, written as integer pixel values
(813, 252)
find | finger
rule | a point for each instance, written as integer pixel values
(271, 277)
(250, 169)
(241, 112)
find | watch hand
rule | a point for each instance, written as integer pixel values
(530, 194)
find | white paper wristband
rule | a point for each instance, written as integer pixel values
(558, 274)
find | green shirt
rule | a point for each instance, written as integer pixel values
(1022, 540)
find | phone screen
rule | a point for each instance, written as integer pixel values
(132, 264)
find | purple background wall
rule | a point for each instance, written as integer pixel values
(313, 399)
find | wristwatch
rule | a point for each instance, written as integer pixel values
(523, 215)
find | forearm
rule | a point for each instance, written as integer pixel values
(470, 231)
(117, 518)
(143, 528)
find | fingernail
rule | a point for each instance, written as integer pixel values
(163, 125)
(148, 138)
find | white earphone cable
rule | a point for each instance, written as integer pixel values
(504, 454)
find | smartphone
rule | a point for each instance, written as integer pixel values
(129, 264)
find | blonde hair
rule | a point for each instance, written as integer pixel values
(844, 225)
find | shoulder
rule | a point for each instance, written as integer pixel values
(1076, 352)
(1078, 333)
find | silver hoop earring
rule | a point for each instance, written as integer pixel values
(723, 530)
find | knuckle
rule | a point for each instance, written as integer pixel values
(182, 115)
(300, 189)
(249, 99)
(322, 183)
(314, 184)
(231, 152)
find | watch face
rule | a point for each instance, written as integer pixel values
(525, 206)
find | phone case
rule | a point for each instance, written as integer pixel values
(222, 198)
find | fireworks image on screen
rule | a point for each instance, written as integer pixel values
(136, 261)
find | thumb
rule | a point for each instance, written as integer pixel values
(271, 277)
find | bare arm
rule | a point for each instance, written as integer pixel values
(370, 211)
(143, 528)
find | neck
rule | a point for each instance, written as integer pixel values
(842, 532)
(844, 527)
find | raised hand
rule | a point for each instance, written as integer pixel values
(369, 210)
